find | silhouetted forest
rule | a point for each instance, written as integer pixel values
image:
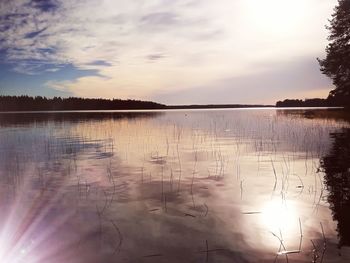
(336, 64)
(329, 102)
(26, 103)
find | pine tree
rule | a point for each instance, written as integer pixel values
(336, 65)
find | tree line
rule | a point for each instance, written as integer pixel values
(336, 64)
(316, 102)
(27, 103)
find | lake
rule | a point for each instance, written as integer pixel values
(229, 185)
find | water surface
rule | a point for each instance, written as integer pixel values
(240, 185)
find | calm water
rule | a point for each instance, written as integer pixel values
(243, 185)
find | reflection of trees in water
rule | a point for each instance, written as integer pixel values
(7, 119)
(336, 114)
(336, 165)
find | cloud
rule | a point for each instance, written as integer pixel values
(52, 69)
(45, 5)
(160, 19)
(190, 43)
(154, 57)
(35, 33)
(288, 79)
(100, 63)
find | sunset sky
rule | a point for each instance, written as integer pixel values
(170, 51)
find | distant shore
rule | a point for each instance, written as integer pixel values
(27, 103)
(217, 106)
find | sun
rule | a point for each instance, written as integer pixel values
(276, 16)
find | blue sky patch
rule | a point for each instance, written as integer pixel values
(14, 83)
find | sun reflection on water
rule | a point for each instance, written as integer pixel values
(280, 216)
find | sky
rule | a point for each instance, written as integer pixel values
(169, 51)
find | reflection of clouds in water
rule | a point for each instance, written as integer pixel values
(46, 150)
(183, 177)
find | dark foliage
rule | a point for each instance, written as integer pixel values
(336, 166)
(336, 65)
(308, 103)
(26, 103)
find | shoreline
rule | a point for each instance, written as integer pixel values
(168, 109)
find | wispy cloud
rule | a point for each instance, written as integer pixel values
(161, 19)
(189, 42)
(298, 78)
(155, 57)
